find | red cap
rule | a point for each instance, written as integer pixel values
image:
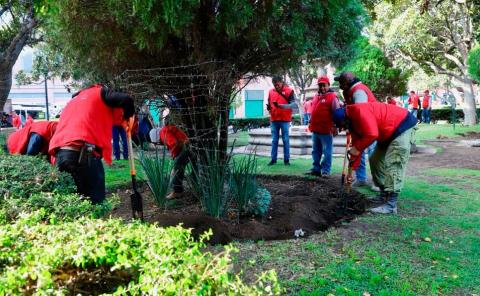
(323, 79)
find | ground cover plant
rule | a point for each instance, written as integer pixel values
(112, 258)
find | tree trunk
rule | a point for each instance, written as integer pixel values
(469, 107)
(5, 85)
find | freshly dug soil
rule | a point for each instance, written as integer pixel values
(301, 205)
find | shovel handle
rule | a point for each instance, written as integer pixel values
(131, 160)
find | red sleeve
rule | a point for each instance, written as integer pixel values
(365, 130)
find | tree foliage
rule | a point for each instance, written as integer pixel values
(474, 63)
(18, 24)
(436, 37)
(110, 36)
(373, 68)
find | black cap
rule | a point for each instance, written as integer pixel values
(348, 76)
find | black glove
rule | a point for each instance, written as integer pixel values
(268, 107)
(275, 104)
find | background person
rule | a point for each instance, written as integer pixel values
(426, 107)
(281, 101)
(33, 139)
(321, 126)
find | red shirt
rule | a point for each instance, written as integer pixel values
(322, 115)
(278, 114)
(308, 107)
(426, 102)
(174, 138)
(18, 141)
(373, 122)
(414, 100)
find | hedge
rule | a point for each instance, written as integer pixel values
(245, 124)
(110, 257)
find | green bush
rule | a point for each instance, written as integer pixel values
(158, 170)
(97, 256)
(446, 114)
(65, 207)
(22, 176)
(245, 124)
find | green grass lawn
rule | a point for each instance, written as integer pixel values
(431, 248)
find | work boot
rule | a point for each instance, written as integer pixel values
(379, 199)
(272, 162)
(314, 173)
(390, 207)
(325, 175)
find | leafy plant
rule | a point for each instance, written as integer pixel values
(64, 207)
(158, 169)
(259, 203)
(209, 182)
(112, 258)
(22, 176)
(243, 180)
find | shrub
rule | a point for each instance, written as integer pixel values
(158, 170)
(259, 203)
(65, 207)
(22, 176)
(98, 256)
(209, 182)
(243, 181)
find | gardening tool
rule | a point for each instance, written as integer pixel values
(345, 187)
(136, 198)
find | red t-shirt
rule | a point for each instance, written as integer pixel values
(174, 138)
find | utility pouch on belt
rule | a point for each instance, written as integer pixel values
(86, 152)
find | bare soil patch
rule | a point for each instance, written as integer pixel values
(309, 205)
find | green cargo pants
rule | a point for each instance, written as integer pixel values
(388, 164)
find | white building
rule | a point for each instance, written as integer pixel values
(31, 98)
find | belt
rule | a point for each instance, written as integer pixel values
(72, 148)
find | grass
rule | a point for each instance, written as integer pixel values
(118, 174)
(240, 138)
(429, 132)
(431, 248)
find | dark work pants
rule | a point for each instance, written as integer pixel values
(35, 144)
(117, 133)
(89, 176)
(181, 162)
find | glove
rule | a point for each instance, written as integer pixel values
(276, 104)
(268, 107)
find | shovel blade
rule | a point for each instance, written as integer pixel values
(137, 205)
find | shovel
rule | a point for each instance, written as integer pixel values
(136, 198)
(345, 188)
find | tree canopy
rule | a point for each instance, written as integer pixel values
(108, 36)
(436, 37)
(371, 66)
(17, 29)
(474, 63)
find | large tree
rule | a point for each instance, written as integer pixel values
(436, 35)
(17, 28)
(106, 37)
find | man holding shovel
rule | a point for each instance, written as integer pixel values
(393, 128)
(84, 136)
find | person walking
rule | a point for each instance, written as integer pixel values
(84, 136)
(324, 104)
(393, 128)
(118, 132)
(426, 107)
(414, 101)
(281, 101)
(355, 92)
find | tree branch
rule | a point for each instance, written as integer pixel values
(439, 70)
(5, 8)
(456, 61)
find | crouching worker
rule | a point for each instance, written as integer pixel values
(84, 136)
(177, 144)
(33, 139)
(393, 128)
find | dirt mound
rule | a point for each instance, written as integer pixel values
(299, 207)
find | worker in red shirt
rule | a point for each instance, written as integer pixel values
(393, 128)
(177, 143)
(391, 101)
(29, 119)
(16, 120)
(426, 107)
(414, 101)
(321, 125)
(33, 139)
(84, 136)
(307, 111)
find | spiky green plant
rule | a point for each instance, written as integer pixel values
(209, 182)
(243, 181)
(158, 169)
